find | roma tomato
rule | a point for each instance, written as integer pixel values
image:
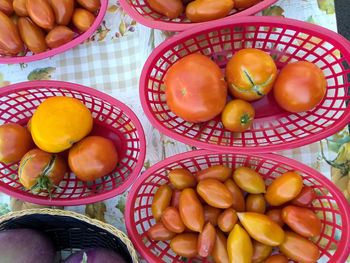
(82, 19)
(239, 245)
(219, 252)
(227, 220)
(191, 210)
(214, 193)
(182, 178)
(276, 216)
(6, 7)
(169, 8)
(92, 158)
(161, 200)
(10, 41)
(172, 220)
(91, 5)
(206, 240)
(20, 7)
(195, 88)
(63, 10)
(238, 198)
(41, 13)
(245, 3)
(218, 172)
(250, 74)
(260, 251)
(305, 197)
(159, 232)
(255, 203)
(302, 220)
(262, 228)
(300, 86)
(175, 198)
(284, 188)
(211, 214)
(249, 180)
(277, 259)
(185, 245)
(32, 35)
(238, 115)
(15, 142)
(299, 248)
(59, 36)
(206, 10)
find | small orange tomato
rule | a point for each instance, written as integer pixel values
(206, 10)
(214, 193)
(218, 172)
(63, 10)
(6, 7)
(238, 198)
(20, 7)
(159, 232)
(245, 3)
(191, 210)
(32, 35)
(284, 188)
(302, 220)
(305, 197)
(260, 251)
(227, 220)
(206, 240)
(169, 8)
(299, 248)
(211, 214)
(276, 216)
(10, 41)
(172, 220)
(219, 252)
(59, 36)
(82, 19)
(238, 115)
(161, 200)
(277, 259)
(91, 5)
(175, 198)
(239, 245)
(182, 178)
(249, 180)
(41, 13)
(255, 203)
(185, 245)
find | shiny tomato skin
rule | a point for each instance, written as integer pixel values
(83, 19)
(19, 6)
(191, 210)
(255, 203)
(245, 3)
(185, 245)
(218, 172)
(227, 220)
(260, 251)
(169, 8)
(175, 198)
(182, 178)
(6, 7)
(59, 36)
(63, 10)
(214, 193)
(276, 215)
(277, 259)
(211, 214)
(32, 35)
(300, 86)
(305, 197)
(238, 115)
(172, 220)
(41, 13)
(195, 88)
(239, 245)
(206, 10)
(161, 200)
(91, 5)
(10, 41)
(206, 240)
(238, 198)
(249, 180)
(219, 252)
(159, 232)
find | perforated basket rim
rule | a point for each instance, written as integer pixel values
(90, 91)
(52, 52)
(168, 26)
(343, 248)
(316, 30)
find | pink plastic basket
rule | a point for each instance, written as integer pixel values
(79, 38)
(273, 129)
(330, 205)
(141, 11)
(112, 119)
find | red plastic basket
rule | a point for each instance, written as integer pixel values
(141, 11)
(273, 129)
(330, 204)
(79, 38)
(112, 119)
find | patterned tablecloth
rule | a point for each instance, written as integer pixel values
(112, 60)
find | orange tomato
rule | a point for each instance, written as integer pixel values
(63, 10)
(214, 193)
(206, 10)
(305, 197)
(172, 220)
(185, 245)
(41, 13)
(277, 259)
(284, 188)
(255, 203)
(238, 198)
(238, 115)
(211, 214)
(6, 7)
(59, 36)
(10, 41)
(169, 8)
(245, 3)
(32, 35)
(161, 200)
(260, 252)
(206, 240)
(82, 19)
(218, 172)
(276, 216)
(159, 232)
(91, 5)
(227, 220)
(239, 245)
(249, 180)
(250, 74)
(182, 178)
(19, 6)
(191, 210)
(175, 198)
(219, 252)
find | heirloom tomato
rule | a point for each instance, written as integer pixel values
(40, 11)
(206, 10)
(32, 35)
(175, 198)
(161, 200)
(227, 220)
(191, 210)
(182, 178)
(276, 215)
(63, 10)
(245, 3)
(219, 252)
(185, 245)
(211, 214)
(277, 259)
(206, 240)
(214, 193)
(305, 197)
(20, 7)
(238, 198)
(159, 232)
(91, 5)
(58, 36)
(6, 7)
(83, 19)
(218, 172)
(255, 203)
(249, 180)
(172, 220)
(238, 115)
(10, 41)
(239, 245)
(260, 251)
(169, 8)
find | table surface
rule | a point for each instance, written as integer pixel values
(112, 60)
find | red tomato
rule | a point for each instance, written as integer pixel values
(211, 214)
(206, 10)
(195, 88)
(182, 178)
(20, 7)
(277, 259)
(300, 86)
(260, 251)
(10, 41)
(185, 245)
(238, 115)
(255, 203)
(245, 3)
(6, 7)
(305, 197)
(63, 10)
(175, 198)
(32, 35)
(169, 8)
(206, 240)
(58, 36)
(215, 193)
(227, 220)
(91, 5)
(160, 232)
(41, 13)
(219, 252)
(218, 172)
(172, 220)
(276, 216)
(238, 198)
(191, 210)
(83, 19)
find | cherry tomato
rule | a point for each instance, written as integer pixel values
(161, 200)
(6, 7)
(260, 251)
(255, 203)
(211, 214)
(227, 220)
(239, 245)
(250, 74)
(59, 36)
(299, 248)
(195, 88)
(219, 252)
(182, 178)
(206, 240)
(169, 8)
(32, 35)
(191, 210)
(277, 259)
(20, 7)
(15, 141)
(238, 115)
(262, 228)
(172, 220)
(175, 198)
(249, 180)
(300, 86)
(10, 41)
(276, 216)
(159, 232)
(92, 158)
(238, 198)
(305, 197)
(206, 10)
(302, 220)
(41, 13)
(214, 193)
(91, 5)
(63, 10)
(245, 3)
(185, 245)
(284, 188)
(82, 19)
(218, 172)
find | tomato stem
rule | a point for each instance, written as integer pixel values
(245, 119)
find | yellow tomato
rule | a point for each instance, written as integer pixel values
(239, 245)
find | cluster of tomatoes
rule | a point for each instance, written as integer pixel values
(196, 88)
(42, 24)
(199, 10)
(207, 213)
(59, 127)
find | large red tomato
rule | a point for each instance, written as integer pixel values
(300, 86)
(195, 88)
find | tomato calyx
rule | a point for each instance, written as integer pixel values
(245, 119)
